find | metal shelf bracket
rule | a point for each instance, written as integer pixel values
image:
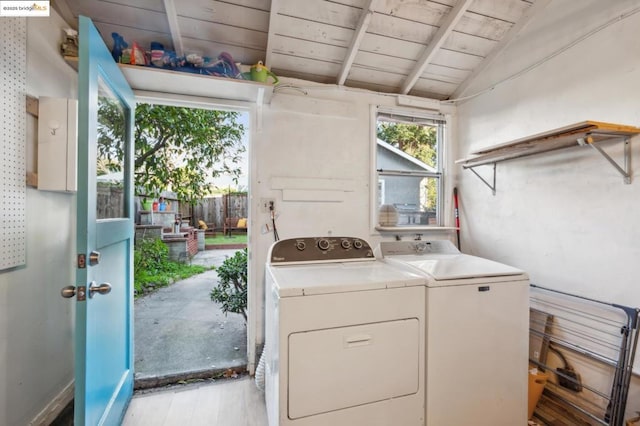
(625, 169)
(491, 186)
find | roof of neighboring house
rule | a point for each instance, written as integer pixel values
(405, 156)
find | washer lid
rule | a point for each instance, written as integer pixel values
(444, 267)
(325, 278)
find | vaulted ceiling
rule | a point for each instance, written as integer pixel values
(419, 47)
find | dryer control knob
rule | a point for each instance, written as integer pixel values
(357, 244)
(323, 244)
(346, 244)
(300, 245)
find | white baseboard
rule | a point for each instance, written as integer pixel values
(55, 407)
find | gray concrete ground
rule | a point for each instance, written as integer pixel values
(181, 334)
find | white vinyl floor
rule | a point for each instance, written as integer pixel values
(232, 402)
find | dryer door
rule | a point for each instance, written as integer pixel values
(345, 367)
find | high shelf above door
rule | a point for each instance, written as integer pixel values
(158, 80)
(586, 133)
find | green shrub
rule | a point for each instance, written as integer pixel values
(231, 291)
(150, 255)
(153, 269)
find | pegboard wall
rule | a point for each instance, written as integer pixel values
(13, 84)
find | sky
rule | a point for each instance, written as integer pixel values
(223, 182)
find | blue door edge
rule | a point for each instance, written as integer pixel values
(117, 407)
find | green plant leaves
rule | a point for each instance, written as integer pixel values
(153, 269)
(231, 291)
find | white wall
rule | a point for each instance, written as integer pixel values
(325, 133)
(308, 137)
(36, 324)
(564, 217)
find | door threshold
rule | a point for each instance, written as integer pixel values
(185, 377)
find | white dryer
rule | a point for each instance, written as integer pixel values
(344, 336)
(477, 314)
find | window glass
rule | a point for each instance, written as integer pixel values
(409, 170)
(111, 151)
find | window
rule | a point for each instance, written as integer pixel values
(408, 166)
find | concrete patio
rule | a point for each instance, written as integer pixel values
(180, 334)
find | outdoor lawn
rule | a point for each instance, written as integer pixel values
(224, 239)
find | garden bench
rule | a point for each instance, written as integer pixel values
(234, 224)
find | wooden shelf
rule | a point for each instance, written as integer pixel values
(183, 83)
(585, 133)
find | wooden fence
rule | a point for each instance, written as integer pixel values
(110, 201)
(214, 210)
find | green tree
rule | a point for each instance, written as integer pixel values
(416, 140)
(176, 148)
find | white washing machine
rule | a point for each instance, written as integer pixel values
(344, 336)
(477, 313)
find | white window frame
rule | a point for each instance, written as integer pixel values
(440, 174)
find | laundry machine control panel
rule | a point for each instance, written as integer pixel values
(398, 248)
(311, 249)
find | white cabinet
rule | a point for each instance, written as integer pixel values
(57, 144)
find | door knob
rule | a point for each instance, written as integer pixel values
(69, 291)
(103, 288)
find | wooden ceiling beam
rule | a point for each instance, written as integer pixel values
(172, 19)
(273, 16)
(352, 51)
(532, 11)
(446, 27)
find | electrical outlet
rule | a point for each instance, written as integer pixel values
(267, 204)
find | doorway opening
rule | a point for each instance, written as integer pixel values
(192, 192)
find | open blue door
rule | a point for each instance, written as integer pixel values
(105, 226)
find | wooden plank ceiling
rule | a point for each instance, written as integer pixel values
(419, 47)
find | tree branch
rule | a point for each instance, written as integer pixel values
(162, 143)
